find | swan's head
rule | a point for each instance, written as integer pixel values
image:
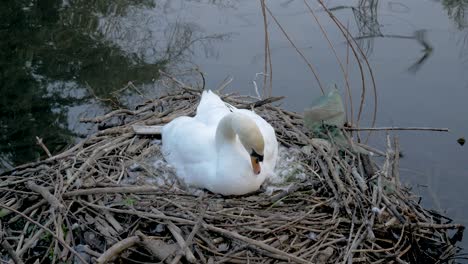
(252, 140)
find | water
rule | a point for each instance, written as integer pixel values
(64, 60)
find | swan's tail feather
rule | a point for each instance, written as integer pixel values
(211, 108)
(209, 101)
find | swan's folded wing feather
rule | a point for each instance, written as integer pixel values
(189, 146)
(211, 109)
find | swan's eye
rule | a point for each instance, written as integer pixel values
(257, 156)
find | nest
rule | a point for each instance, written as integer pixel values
(94, 203)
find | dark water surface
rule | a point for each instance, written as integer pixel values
(63, 60)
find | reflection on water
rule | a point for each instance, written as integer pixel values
(366, 16)
(421, 38)
(368, 27)
(456, 10)
(56, 55)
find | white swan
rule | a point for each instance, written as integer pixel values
(223, 149)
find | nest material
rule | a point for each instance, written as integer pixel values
(78, 206)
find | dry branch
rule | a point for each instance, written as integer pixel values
(63, 243)
(397, 128)
(117, 248)
(41, 144)
(11, 252)
(44, 192)
(109, 190)
(157, 247)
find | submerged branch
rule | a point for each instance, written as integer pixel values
(396, 128)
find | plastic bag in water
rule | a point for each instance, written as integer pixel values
(327, 110)
(326, 118)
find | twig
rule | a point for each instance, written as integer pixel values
(27, 211)
(41, 144)
(117, 248)
(225, 83)
(253, 242)
(396, 128)
(189, 239)
(439, 226)
(181, 84)
(48, 230)
(142, 214)
(314, 72)
(231, 234)
(52, 200)
(393, 209)
(268, 67)
(104, 190)
(32, 240)
(147, 130)
(356, 242)
(370, 149)
(396, 162)
(177, 233)
(275, 198)
(268, 100)
(107, 116)
(157, 247)
(249, 105)
(11, 252)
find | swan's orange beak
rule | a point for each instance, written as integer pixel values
(255, 165)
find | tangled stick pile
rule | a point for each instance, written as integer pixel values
(94, 203)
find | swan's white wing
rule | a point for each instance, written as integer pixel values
(189, 146)
(211, 109)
